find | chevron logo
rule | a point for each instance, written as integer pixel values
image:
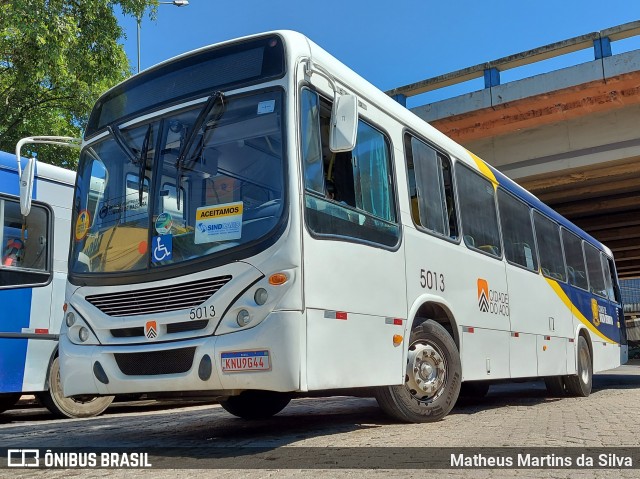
(483, 295)
(151, 330)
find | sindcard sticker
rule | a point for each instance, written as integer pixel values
(218, 223)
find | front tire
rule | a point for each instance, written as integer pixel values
(60, 406)
(580, 384)
(432, 379)
(256, 404)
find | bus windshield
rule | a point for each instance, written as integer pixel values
(189, 183)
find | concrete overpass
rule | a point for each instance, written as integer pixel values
(570, 136)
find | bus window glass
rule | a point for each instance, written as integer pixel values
(576, 269)
(225, 192)
(610, 273)
(517, 232)
(608, 279)
(430, 188)
(25, 245)
(595, 271)
(348, 194)
(311, 142)
(478, 212)
(549, 248)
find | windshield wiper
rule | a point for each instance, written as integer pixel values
(139, 161)
(216, 98)
(143, 161)
(122, 144)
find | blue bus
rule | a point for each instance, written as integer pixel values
(33, 274)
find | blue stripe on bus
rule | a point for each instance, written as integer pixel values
(581, 300)
(13, 352)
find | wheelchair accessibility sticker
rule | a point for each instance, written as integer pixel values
(218, 223)
(162, 248)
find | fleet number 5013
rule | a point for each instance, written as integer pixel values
(432, 280)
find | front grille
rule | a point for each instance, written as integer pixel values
(127, 332)
(171, 361)
(171, 328)
(158, 300)
(187, 326)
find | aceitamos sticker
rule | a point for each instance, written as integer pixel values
(218, 223)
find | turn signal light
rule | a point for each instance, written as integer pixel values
(397, 339)
(278, 279)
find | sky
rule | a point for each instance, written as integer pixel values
(392, 43)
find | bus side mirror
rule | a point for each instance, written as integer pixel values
(26, 186)
(344, 124)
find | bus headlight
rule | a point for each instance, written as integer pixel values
(243, 318)
(261, 296)
(83, 334)
(256, 303)
(77, 329)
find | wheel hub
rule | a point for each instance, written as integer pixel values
(425, 371)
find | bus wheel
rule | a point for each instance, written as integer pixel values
(555, 386)
(60, 406)
(432, 378)
(580, 384)
(256, 404)
(7, 401)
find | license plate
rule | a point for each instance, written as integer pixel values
(237, 361)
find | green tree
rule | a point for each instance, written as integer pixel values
(56, 58)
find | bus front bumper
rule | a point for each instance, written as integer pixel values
(265, 357)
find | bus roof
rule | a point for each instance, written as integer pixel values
(43, 170)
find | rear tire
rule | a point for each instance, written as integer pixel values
(555, 386)
(432, 380)
(580, 384)
(60, 406)
(256, 404)
(7, 401)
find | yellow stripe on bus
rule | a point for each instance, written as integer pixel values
(482, 166)
(575, 311)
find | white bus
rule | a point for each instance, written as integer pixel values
(253, 220)
(33, 275)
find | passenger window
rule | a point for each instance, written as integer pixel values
(25, 245)
(595, 271)
(348, 194)
(549, 247)
(517, 232)
(478, 212)
(608, 280)
(430, 188)
(613, 289)
(576, 270)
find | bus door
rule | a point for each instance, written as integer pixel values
(610, 317)
(354, 274)
(552, 318)
(479, 274)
